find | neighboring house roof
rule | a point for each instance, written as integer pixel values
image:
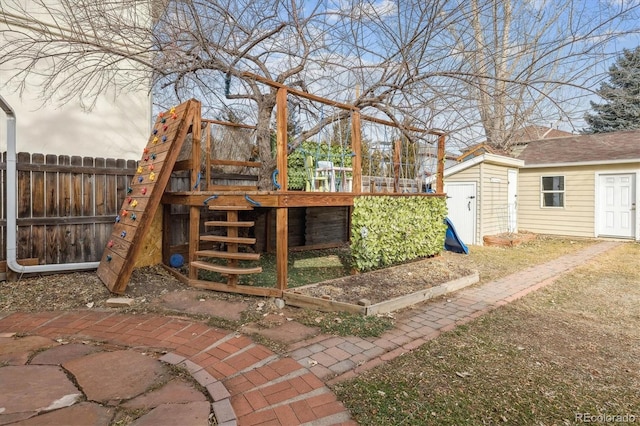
(476, 150)
(521, 138)
(534, 133)
(499, 160)
(599, 148)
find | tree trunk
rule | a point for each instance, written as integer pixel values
(263, 139)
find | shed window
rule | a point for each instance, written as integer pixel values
(552, 193)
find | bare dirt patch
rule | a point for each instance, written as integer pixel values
(389, 283)
(149, 286)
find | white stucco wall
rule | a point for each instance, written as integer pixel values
(117, 126)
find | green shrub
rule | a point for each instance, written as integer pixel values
(386, 230)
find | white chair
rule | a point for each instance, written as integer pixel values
(327, 175)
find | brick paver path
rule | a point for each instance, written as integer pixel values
(334, 359)
(251, 385)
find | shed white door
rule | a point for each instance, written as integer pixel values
(617, 205)
(512, 200)
(461, 206)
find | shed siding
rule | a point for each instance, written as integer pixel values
(493, 184)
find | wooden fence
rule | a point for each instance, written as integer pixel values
(66, 205)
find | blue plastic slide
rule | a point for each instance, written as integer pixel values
(452, 241)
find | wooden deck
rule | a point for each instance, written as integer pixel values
(276, 199)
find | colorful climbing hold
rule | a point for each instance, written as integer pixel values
(109, 258)
(146, 159)
(124, 213)
(129, 199)
(163, 120)
(143, 191)
(153, 156)
(155, 140)
(135, 203)
(129, 190)
(139, 169)
(164, 138)
(151, 167)
(133, 216)
(123, 234)
(174, 115)
(145, 151)
(161, 114)
(152, 176)
(117, 218)
(172, 110)
(164, 128)
(140, 179)
(155, 131)
(110, 243)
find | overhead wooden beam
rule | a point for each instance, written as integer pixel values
(409, 128)
(300, 93)
(228, 123)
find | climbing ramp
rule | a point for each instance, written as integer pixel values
(144, 193)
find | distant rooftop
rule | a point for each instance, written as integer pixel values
(599, 147)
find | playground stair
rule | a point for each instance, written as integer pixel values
(232, 242)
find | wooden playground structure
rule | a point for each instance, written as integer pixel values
(164, 157)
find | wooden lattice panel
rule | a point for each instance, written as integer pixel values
(144, 194)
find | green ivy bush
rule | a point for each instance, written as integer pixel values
(386, 230)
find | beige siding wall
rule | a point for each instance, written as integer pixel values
(577, 217)
(493, 199)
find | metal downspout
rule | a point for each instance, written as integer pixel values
(12, 217)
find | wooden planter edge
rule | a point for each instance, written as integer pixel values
(325, 305)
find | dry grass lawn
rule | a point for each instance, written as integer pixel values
(570, 349)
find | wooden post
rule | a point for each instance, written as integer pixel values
(196, 153)
(356, 146)
(232, 231)
(207, 172)
(282, 248)
(194, 238)
(194, 211)
(440, 169)
(397, 147)
(282, 214)
(166, 233)
(281, 137)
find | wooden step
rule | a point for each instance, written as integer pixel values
(228, 255)
(223, 239)
(229, 224)
(226, 269)
(230, 208)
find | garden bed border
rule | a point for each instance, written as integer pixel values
(294, 297)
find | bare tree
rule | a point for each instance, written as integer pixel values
(483, 65)
(528, 59)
